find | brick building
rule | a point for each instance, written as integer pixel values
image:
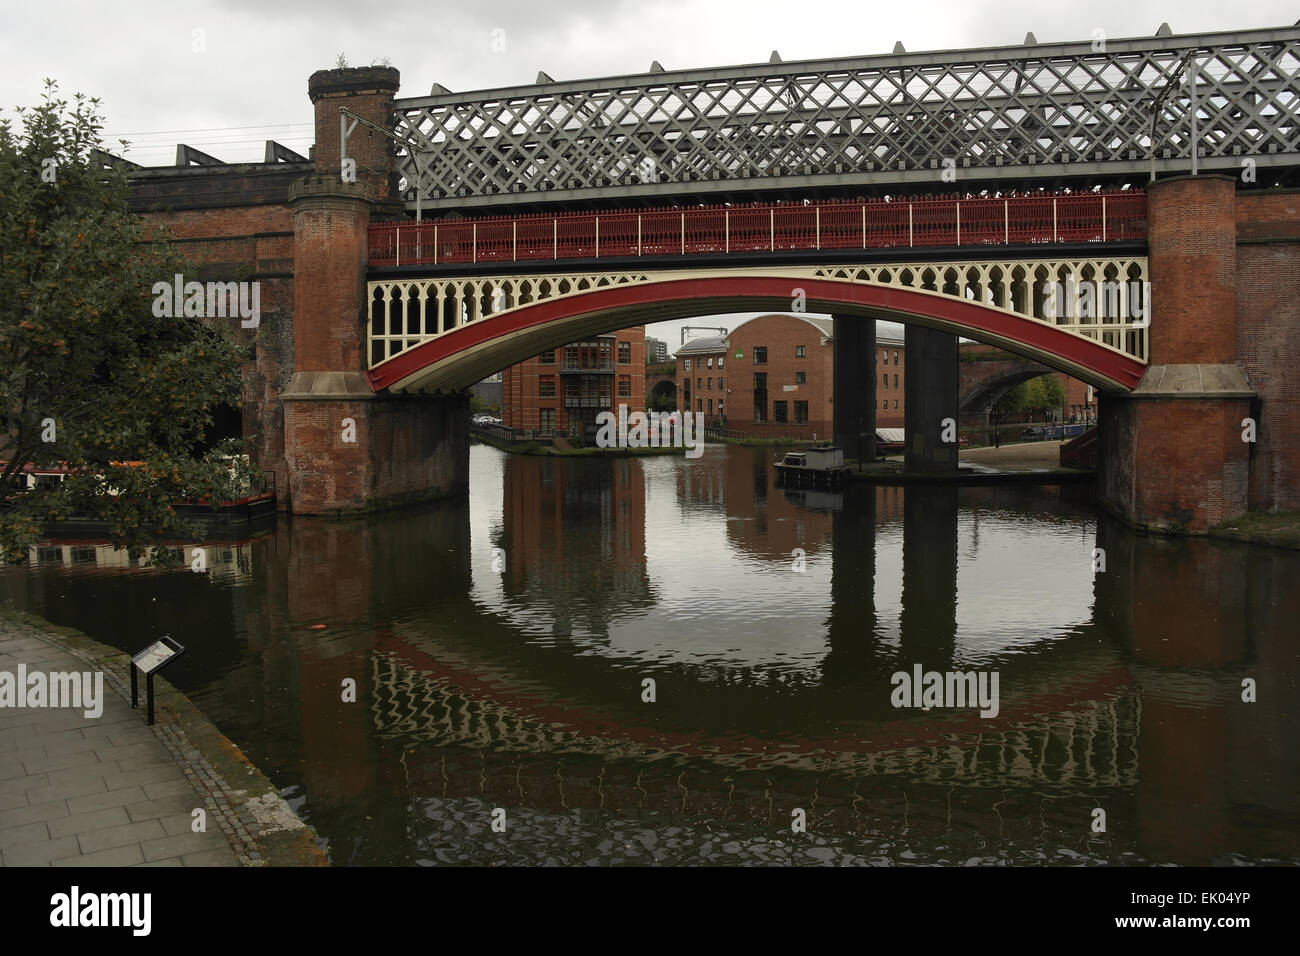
(560, 392)
(778, 382)
(891, 366)
(781, 373)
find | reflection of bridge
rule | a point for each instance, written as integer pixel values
(1094, 746)
(619, 170)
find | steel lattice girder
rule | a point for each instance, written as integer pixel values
(1008, 113)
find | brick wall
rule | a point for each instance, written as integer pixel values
(367, 92)
(1268, 340)
(405, 450)
(779, 334)
(1173, 465)
(1193, 258)
(235, 224)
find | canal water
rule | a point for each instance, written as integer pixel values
(670, 660)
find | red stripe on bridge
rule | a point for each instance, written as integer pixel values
(1103, 217)
(1084, 358)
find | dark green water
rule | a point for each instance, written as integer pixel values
(515, 678)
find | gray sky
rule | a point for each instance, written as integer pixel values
(226, 75)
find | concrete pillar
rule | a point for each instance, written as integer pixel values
(930, 394)
(853, 397)
(1172, 455)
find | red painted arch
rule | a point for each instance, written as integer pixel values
(627, 305)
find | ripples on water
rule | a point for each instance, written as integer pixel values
(520, 686)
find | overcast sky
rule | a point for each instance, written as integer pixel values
(226, 75)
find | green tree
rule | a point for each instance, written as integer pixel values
(1035, 394)
(90, 379)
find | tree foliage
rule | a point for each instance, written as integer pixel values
(90, 380)
(1034, 395)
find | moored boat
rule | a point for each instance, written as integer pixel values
(821, 465)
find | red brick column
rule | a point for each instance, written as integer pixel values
(368, 92)
(1172, 457)
(1193, 259)
(347, 448)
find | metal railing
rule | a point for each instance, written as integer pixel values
(577, 365)
(782, 227)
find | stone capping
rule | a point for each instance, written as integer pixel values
(328, 387)
(1193, 381)
(353, 80)
(1189, 178)
(325, 186)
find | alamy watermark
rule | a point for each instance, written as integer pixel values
(82, 690)
(75, 909)
(933, 689)
(212, 300)
(1095, 300)
(651, 430)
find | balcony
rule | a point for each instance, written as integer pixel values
(590, 367)
(587, 401)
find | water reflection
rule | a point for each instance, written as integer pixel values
(500, 646)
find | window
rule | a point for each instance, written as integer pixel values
(546, 386)
(710, 407)
(624, 353)
(719, 406)
(699, 384)
(760, 397)
(895, 380)
(800, 351)
(760, 355)
(884, 380)
(801, 413)
(699, 404)
(885, 403)
(710, 361)
(547, 358)
(895, 404)
(720, 383)
(710, 383)
(687, 366)
(719, 361)
(547, 420)
(884, 358)
(779, 413)
(686, 392)
(895, 358)
(624, 386)
(800, 378)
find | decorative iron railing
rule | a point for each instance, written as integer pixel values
(783, 227)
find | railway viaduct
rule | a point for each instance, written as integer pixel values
(429, 241)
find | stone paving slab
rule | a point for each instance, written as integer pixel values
(111, 791)
(84, 791)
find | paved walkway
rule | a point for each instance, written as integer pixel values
(79, 791)
(1024, 455)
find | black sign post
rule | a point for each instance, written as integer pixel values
(152, 658)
